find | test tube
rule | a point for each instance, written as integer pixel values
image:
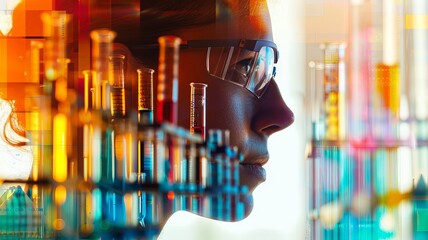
(145, 117)
(198, 108)
(88, 77)
(334, 82)
(61, 82)
(87, 141)
(54, 28)
(117, 94)
(102, 151)
(59, 147)
(122, 145)
(102, 40)
(198, 170)
(387, 86)
(238, 157)
(358, 86)
(35, 115)
(145, 95)
(159, 166)
(86, 217)
(168, 79)
(417, 76)
(201, 167)
(35, 61)
(60, 124)
(218, 143)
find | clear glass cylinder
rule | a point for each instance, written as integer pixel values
(61, 84)
(334, 91)
(146, 163)
(315, 81)
(145, 95)
(55, 30)
(358, 92)
(60, 161)
(416, 72)
(35, 61)
(417, 60)
(117, 90)
(102, 45)
(85, 118)
(88, 76)
(198, 108)
(386, 87)
(167, 96)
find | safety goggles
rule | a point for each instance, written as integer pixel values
(247, 63)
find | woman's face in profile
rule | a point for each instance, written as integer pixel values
(249, 119)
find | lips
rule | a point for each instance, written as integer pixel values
(250, 175)
(252, 172)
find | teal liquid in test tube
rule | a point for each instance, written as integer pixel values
(145, 146)
(145, 117)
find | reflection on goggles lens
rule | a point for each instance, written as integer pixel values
(250, 69)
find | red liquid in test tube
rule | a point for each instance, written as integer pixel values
(198, 108)
(167, 94)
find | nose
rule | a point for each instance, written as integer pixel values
(273, 114)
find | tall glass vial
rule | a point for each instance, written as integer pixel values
(417, 73)
(145, 117)
(117, 90)
(198, 108)
(145, 95)
(54, 28)
(102, 40)
(167, 95)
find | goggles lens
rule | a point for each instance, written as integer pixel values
(251, 69)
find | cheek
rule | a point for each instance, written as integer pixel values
(227, 108)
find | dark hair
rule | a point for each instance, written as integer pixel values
(158, 17)
(167, 17)
(164, 17)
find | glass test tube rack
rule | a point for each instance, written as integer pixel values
(130, 209)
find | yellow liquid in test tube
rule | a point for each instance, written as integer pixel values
(59, 148)
(388, 87)
(333, 81)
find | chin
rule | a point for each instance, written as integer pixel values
(241, 207)
(247, 200)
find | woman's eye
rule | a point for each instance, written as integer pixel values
(239, 72)
(243, 66)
